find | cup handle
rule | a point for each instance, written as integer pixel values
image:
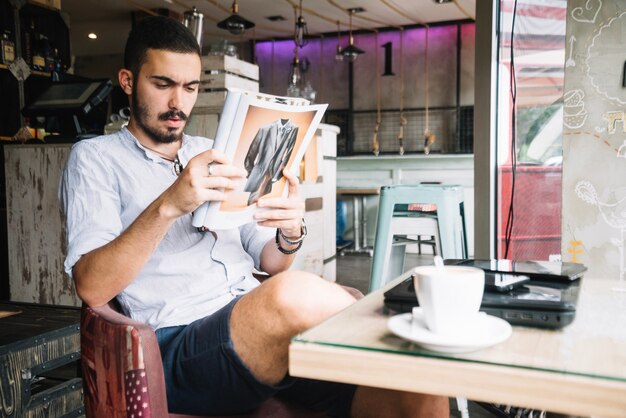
(415, 282)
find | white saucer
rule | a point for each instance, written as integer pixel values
(487, 330)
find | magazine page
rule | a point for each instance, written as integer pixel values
(267, 134)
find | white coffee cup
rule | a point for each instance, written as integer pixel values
(450, 296)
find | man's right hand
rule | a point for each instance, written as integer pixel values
(197, 183)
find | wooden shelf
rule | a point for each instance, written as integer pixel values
(41, 73)
(32, 72)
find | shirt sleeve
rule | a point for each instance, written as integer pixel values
(90, 200)
(254, 238)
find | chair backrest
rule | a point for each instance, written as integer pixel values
(122, 369)
(449, 224)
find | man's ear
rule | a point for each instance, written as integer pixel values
(125, 78)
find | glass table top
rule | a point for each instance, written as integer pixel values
(594, 345)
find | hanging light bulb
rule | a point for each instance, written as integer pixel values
(351, 52)
(293, 86)
(339, 53)
(234, 23)
(301, 30)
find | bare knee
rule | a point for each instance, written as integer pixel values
(304, 299)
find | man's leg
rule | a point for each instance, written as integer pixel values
(264, 321)
(382, 403)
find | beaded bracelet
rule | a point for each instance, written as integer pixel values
(281, 249)
(297, 241)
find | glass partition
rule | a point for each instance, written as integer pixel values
(531, 59)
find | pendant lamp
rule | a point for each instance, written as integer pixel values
(301, 30)
(339, 53)
(351, 52)
(234, 23)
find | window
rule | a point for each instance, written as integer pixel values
(531, 59)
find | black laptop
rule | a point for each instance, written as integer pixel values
(540, 302)
(542, 270)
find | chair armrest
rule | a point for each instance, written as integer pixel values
(111, 313)
(126, 345)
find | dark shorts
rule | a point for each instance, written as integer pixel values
(204, 375)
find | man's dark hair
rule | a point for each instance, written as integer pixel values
(157, 32)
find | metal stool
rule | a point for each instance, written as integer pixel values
(447, 225)
(359, 218)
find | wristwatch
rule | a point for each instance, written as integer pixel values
(297, 240)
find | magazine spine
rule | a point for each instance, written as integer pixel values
(221, 139)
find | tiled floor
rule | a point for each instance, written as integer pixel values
(354, 271)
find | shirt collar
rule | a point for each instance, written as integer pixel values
(152, 156)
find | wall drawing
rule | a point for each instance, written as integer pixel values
(604, 63)
(613, 117)
(575, 249)
(621, 151)
(570, 61)
(594, 138)
(613, 213)
(587, 13)
(574, 113)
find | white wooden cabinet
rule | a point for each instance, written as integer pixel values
(318, 188)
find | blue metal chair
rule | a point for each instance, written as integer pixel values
(446, 224)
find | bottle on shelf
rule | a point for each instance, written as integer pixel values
(8, 49)
(49, 56)
(25, 133)
(57, 66)
(28, 40)
(39, 52)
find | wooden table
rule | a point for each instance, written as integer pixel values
(579, 370)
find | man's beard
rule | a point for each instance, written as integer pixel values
(142, 115)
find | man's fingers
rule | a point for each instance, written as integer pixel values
(224, 170)
(293, 182)
(287, 223)
(211, 156)
(211, 195)
(280, 215)
(216, 183)
(280, 203)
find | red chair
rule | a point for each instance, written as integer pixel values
(123, 372)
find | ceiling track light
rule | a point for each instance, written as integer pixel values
(234, 23)
(301, 31)
(351, 52)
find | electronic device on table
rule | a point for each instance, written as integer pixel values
(545, 270)
(68, 104)
(546, 296)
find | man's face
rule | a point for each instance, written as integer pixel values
(164, 93)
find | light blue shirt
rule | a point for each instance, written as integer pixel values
(107, 182)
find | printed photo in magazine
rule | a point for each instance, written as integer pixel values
(263, 134)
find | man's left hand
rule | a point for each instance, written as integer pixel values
(285, 213)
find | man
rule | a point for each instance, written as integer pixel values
(224, 338)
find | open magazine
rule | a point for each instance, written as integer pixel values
(263, 134)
